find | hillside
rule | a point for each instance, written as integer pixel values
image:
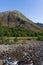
(40, 24)
(17, 19)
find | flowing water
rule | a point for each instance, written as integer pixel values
(9, 61)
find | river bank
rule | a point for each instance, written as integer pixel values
(28, 52)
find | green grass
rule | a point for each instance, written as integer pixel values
(15, 40)
(21, 38)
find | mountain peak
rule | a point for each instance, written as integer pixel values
(17, 19)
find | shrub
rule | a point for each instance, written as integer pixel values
(7, 41)
(40, 38)
(15, 39)
(0, 41)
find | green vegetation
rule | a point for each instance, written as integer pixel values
(15, 39)
(40, 38)
(15, 26)
(18, 32)
(7, 34)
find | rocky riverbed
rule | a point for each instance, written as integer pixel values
(24, 53)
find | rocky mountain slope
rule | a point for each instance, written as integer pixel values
(40, 24)
(17, 19)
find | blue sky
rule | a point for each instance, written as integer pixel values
(32, 9)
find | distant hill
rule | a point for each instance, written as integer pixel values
(17, 19)
(40, 24)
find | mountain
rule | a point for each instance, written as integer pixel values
(40, 24)
(17, 19)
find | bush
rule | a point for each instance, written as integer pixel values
(0, 41)
(7, 41)
(40, 38)
(15, 39)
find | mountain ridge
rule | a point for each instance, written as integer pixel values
(40, 24)
(17, 19)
